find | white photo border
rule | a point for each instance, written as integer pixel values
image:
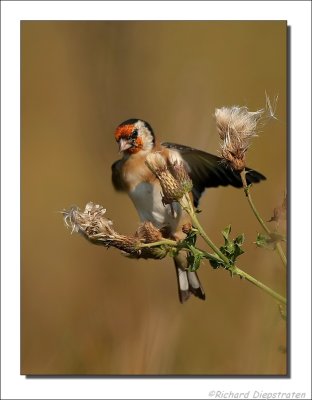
(298, 16)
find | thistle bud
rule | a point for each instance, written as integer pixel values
(148, 232)
(173, 177)
(187, 228)
(171, 187)
(179, 172)
(236, 127)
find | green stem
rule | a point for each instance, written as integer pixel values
(204, 235)
(188, 207)
(243, 274)
(162, 242)
(251, 203)
(257, 215)
(281, 253)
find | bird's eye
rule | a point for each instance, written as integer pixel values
(134, 134)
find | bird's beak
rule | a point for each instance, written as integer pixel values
(123, 145)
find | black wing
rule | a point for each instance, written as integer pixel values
(208, 170)
(116, 176)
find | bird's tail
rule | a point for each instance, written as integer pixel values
(188, 281)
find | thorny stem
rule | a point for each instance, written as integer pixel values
(255, 211)
(188, 207)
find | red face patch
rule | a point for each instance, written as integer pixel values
(137, 146)
(125, 132)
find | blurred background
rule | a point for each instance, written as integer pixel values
(88, 310)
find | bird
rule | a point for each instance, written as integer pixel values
(130, 174)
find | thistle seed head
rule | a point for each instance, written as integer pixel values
(156, 163)
(236, 127)
(148, 232)
(173, 177)
(179, 172)
(98, 229)
(187, 228)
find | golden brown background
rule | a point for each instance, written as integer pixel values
(86, 310)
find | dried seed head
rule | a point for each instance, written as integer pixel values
(187, 228)
(172, 189)
(173, 177)
(236, 127)
(148, 232)
(179, 172)
(98, 229)
(156, 163)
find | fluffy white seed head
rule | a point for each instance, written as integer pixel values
(236, 127)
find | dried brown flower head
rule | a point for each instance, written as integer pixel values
(173, 177)
(98, 229)
(187, 228)
(172, 190)
(179, 171)
(236, 127)
(148, 232)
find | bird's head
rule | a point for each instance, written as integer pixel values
(134, 135)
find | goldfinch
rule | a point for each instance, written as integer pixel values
(130, 174)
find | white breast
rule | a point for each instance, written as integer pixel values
(147, 199)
